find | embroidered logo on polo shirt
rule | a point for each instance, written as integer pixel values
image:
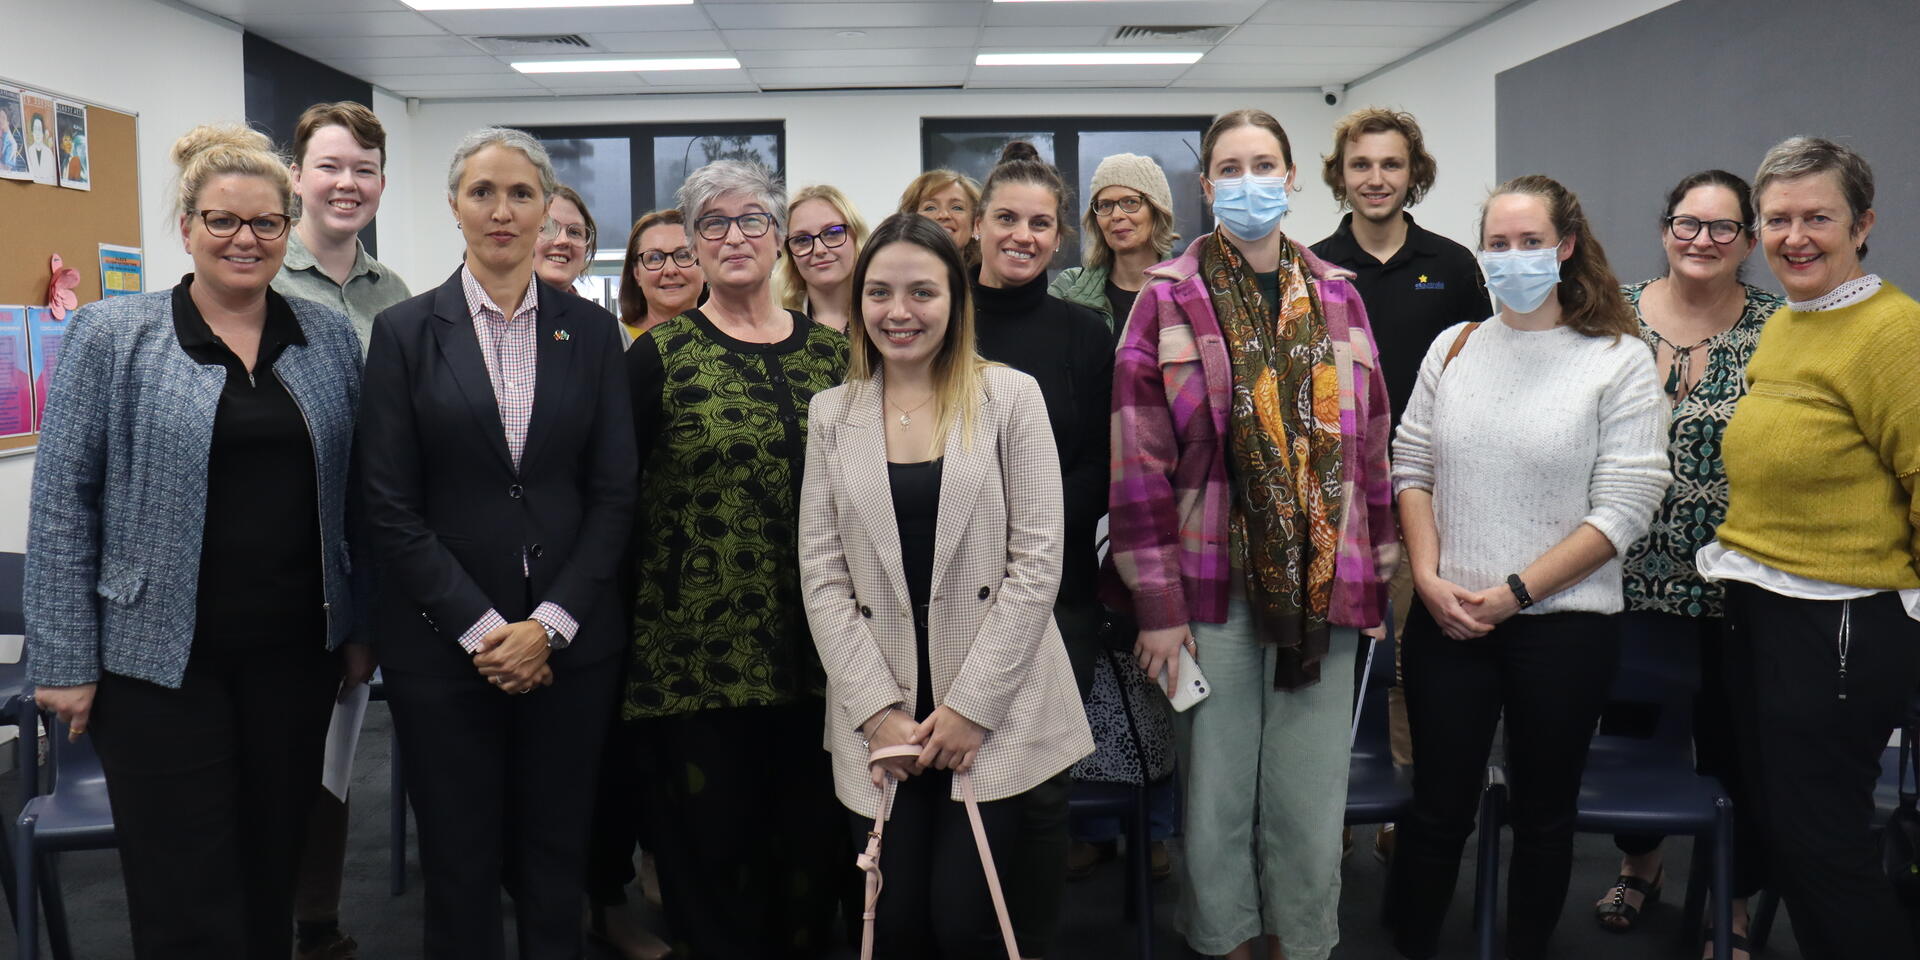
(1425, 284)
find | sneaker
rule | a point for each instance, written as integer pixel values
(337, 947)
(1383, 843)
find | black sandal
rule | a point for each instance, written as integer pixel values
(1735, 941)
(1616, 914)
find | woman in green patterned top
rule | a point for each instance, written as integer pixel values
(724, 686)
(1702, 323)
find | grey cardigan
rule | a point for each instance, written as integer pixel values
(120, 487)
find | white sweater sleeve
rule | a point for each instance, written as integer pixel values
(1413, 439)
(1630, 472)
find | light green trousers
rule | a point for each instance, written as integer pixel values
(1266, 791)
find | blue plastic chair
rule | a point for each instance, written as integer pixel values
(1378, 790)
(1128, 804)
(72, 815)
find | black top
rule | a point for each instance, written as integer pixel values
(916, 508)
(1121, 302)
(260, 573)
(1269, 284)
(1428, 285)
(1069, 350)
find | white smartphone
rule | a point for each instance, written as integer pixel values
(1193, 684)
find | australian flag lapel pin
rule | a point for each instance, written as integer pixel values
(562, 335)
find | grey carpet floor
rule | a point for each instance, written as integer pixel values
(1091, 929)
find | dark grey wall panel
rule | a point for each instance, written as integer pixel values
(1621, 116)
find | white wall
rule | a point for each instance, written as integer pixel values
(1450, 89)
(395, 223)
(868, 144)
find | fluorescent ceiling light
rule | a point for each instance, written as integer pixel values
(625, 66)
(1085, 59)
(535, 4)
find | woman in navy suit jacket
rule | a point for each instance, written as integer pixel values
(496, 448)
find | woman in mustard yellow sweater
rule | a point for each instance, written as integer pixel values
(1820, 549)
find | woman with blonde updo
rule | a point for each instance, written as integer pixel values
(187, 559)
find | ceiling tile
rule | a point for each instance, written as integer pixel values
(670, 78)
(1271, 75)
(1382, 14)
(788, 16)
(863, 75)
(1034, 38)
(978, 84)
(828, 40)
(475, 23)
(330, 48)
(1047, 76)
(1324, 54)
(1160, 13)
(278, 26)
(907, 57)
(661, 41)
(239, 10)
(457, 81)
(1274, 35)
(397, 66)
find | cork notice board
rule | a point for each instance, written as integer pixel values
(42, 220)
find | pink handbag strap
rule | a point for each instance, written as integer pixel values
(870, 860)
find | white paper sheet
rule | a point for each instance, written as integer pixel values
(343, 737)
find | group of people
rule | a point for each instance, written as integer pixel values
(820, 485)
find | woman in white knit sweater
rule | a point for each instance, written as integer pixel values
(1532, 454)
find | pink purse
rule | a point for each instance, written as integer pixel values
(870, 860)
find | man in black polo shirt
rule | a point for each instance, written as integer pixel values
(1415, 285)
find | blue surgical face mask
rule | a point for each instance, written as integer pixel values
(1522, 279)
(1250, 207)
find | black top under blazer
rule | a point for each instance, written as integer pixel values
(449, 519)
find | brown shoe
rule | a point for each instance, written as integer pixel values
(1159, 864)
(1383, 843)
(340, 947)
(1082, 857)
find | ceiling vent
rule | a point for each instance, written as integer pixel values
(535, 43)
(1136, 36)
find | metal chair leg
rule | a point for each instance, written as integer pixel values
(1723, 877)
(1140, 874)
(1487, 870)
(26, 916)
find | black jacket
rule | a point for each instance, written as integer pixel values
(450, 520)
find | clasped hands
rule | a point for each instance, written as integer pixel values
(1465, 614)
(514, 657)
(947, 741)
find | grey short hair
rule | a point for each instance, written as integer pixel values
(1797, 157)
(722, 177)
(519, 140)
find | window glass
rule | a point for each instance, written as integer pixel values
(602, 170)
(675, 157)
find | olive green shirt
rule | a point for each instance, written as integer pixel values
(371, 287)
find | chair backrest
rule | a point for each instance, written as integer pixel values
(72, 764)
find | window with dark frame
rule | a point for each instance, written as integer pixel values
(1076, 145)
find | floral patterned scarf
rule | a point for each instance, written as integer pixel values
(1284, 453)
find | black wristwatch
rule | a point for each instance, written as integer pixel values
(1519, 590)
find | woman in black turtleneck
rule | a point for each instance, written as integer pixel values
(1019, 223)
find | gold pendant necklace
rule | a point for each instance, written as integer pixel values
(906, 416)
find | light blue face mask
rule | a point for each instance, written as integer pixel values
(1522, 279)
(1250, 207)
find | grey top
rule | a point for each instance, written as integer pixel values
(120, 487)
(371, 287)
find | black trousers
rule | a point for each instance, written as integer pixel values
(1549, 673)
(1812, 758)
(620, 809)
(750, 843)
(1713, 741)
(502, 790)
(934, 901)
(210, 786)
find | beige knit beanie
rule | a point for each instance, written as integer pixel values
(1136, 171)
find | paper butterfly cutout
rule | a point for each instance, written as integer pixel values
(60, 296)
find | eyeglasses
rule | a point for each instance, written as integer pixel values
(1719, 231)
(657, 259)
(225, 223)
(715, 227)
(577, 232)
(1128, 204)
(802, 243)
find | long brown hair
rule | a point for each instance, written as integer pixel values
(633, 300)
(957, 366)
(1590, 298)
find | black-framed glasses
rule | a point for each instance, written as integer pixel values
(226, 223)
(577, 232)
(715, 226)
(1127, 204)
(656, 260)
(802, 243)
(1719, 231)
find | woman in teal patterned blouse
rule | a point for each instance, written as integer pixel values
(1702, 323)
(724, 688)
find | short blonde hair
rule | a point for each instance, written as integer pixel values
(793, 289)
(213, 150)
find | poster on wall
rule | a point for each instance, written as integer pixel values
(43, 162)
(43, 339)
(121, 270)
(70, 126)
(13, 138)
(16, 402)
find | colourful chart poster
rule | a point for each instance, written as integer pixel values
(43, 333)
(121, 270)
(16, 403)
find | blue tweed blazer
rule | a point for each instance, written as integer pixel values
(120, 487)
